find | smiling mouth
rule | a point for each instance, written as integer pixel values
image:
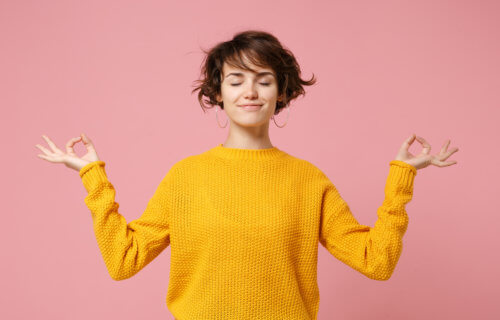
(250, 107)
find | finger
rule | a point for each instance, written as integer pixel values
(452, 151)
(46, 158)
(87, 142)
(70, 144)
(411, 139)
(44, 150)
(51, 144)
(426, 146)
(445, 164)
(445, 146)
(448, 154)
(406, 145)
(85, 139)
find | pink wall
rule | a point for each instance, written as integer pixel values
(121, 71)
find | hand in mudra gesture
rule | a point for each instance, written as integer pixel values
(70, 159)
(424, 159)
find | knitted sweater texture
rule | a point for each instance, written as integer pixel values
(243, 226)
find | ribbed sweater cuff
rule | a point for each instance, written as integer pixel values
(402, 175)
(92, 174)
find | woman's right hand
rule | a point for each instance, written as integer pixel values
(70, 159)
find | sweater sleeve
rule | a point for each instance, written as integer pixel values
(373, 251)
(125, 248)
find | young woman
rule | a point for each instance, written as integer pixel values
(244, 218)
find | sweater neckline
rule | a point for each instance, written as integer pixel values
(246, 154)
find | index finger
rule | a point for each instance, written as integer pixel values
(426, 146)
(70, 144)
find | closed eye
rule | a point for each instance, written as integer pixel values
(237, 84)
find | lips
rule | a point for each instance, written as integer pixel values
(251, 107)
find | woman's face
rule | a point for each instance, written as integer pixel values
(241, 87)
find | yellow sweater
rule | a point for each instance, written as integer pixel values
(244, 226)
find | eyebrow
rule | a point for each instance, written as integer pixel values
(260, 74)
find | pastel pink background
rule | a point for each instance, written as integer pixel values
(122, 71)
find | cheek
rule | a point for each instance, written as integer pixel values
(271, 93)
(233, 94)
(228, 93)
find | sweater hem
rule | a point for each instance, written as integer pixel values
(93, 173)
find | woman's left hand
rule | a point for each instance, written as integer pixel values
(424, 159)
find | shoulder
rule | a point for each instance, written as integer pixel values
(305, 165)
(313, 173)
(187, 166)
(306, 171)
(176, 170)
(183, 165)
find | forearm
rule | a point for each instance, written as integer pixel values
(373, 251)
(125, 247)
(384, 243)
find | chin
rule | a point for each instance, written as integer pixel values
(251, 123)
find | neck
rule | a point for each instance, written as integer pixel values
(248, 137)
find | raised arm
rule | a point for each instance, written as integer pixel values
(125, 248)
(373, 251)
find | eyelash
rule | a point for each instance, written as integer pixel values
(237, 84)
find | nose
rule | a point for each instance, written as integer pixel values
(250, 91)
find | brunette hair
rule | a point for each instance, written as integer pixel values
(262, 49)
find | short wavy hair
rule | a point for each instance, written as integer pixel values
(262, 49)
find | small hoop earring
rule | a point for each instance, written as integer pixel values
(216, 117)
(287, 115)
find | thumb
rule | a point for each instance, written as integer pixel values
(411, 139)
(85, 139)
(408, 142)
